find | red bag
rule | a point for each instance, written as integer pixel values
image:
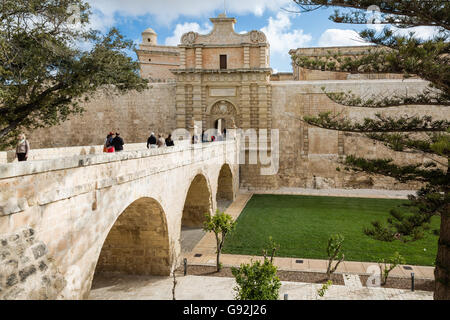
(110, 150)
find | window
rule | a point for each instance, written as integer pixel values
(223, 61)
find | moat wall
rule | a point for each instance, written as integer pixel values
(308, 155)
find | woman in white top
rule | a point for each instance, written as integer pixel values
(22, 148)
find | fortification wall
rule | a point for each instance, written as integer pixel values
(309, 155)
(134, 114)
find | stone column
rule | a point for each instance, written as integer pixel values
(198, 58)
(262, 57)
(197, 98)
(180, 105)
(246, 57)
(183, 58)
(262, 106)
(245, 105)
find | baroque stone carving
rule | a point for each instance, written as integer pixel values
(257, 37)
(189, 38)
(223, 108)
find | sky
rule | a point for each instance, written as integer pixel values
(284, 30)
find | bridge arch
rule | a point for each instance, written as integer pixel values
(138, 241)
(225, 192)
(198, 202)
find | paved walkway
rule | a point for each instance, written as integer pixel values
(221, 288)
(206, 247)
(352, 193)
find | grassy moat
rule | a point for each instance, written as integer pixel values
(302, 225)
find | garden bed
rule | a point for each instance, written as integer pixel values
(404, 283)
(314, 277)
(294, 276)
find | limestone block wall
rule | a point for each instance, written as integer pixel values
(134, 114)
(73, 203)
(27, 272)
(309, 156)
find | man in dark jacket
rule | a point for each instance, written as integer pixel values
(151, 141)
(117, 142)
(169, 141)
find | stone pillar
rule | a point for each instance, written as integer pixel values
(183, 58)
(245, 105)
(180, 106)
(246, 57)
(198, 58)
(262, 106)
(262, 57)
(197, 99)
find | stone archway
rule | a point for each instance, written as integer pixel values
(225, 193)
(224, 112)
(198, 202)
(138, 242)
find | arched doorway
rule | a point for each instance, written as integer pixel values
(225, 194)
(138, 242)
(223, 116)
(197, 204)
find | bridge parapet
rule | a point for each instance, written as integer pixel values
(40, 182)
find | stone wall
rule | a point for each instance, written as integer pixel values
(309, 156)
(344, 52)
(134, 114)
(26, 270)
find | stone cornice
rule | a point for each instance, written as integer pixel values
(251, 70)
(235, 45)
(160, 52)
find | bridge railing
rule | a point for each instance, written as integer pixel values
(189, 153)
(55, 153)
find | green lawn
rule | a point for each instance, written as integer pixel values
(302, 225)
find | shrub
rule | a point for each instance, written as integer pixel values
(272, 247)
(221, 224)
(321, 292)
(257, 281)
(387, 265)
(334, 252)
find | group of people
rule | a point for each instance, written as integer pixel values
(158, 142)
(219, 136)
(113, 143)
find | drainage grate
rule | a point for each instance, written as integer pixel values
(197, 255)
(298, 261)
(407, 267)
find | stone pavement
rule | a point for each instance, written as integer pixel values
(221, 288)
(206, 247)
(352, 193)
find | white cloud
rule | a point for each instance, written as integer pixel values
(180, 29)
(167, 11)
(422, 32)
(340, 37)
(280, 35)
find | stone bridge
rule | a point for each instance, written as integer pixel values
(120, 212)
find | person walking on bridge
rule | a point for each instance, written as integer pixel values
(160, 143)
(151, 141)
(22, 148)
(117, 142)
(108, 147)
(169, 141)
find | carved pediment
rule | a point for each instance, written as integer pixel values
(257, 37)
(223, 108)
(189, 38)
